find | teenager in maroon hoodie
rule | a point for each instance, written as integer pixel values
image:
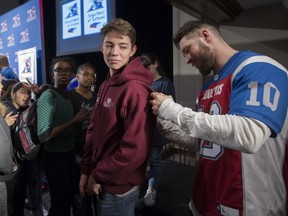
(122, 126)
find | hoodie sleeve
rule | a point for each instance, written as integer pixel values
(88, 150)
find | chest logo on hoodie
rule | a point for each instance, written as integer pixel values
(108, 103)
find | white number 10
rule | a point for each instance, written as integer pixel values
(268, 88)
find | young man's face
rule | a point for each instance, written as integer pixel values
(117, 51)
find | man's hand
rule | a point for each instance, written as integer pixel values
(93, 187)
(157, 99)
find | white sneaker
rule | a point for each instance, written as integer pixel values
(150, 197)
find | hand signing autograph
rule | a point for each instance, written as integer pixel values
(156, 101)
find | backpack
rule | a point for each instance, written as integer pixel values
(26, 130)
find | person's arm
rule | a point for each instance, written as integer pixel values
(86, 158)
(230, 131)
(46, 108)
(174, 133)
(79, 117)
(84, 187)
(6, 151)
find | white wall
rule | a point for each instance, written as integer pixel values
(187, 79)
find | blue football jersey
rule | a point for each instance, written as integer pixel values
(253, 86)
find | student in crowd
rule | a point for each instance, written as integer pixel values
(7, 72)
(7, 166)
(242, 124)
(29, 171)
(55, 122)
(10, 118)
(82, 98)
(7, 86)
(121, 130)
(161, 83)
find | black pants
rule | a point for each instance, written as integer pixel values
(27, 181)
(59, 170)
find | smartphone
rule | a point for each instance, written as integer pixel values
(30, 83)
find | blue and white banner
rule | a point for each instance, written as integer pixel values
(20, 29)
(71, 19)
(95, 16)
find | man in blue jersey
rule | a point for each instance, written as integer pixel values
(242, 124)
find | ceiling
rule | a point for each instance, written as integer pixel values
(248, 4)
(7, 5)
(247, 13)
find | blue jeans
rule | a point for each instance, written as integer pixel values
(155, 162)
(111, 205)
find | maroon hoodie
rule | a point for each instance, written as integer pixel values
(121, 130)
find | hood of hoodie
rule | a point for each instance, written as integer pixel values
(134, 70)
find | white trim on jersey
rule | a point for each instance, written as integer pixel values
(255, 59)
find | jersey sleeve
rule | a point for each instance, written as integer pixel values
(259, 91)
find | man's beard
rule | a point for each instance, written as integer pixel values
(205, 60)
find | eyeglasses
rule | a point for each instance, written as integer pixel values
(62, 70)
